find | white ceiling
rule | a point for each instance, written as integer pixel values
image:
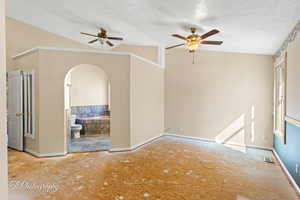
(248, 26)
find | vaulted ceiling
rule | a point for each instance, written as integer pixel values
(248, 26)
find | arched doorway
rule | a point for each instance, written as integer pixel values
(87, 106)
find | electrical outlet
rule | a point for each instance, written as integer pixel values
(296, 169)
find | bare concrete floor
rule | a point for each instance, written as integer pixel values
(167, 169)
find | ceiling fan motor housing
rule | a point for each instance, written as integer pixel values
(193, 30)
(102, 35)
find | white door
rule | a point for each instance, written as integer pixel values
(15, 110)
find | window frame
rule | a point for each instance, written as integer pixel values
(279, 104)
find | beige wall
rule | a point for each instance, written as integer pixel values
(147, 101)
(136, 97)
(293, 81)
(21, 37)
(223, 96)
(50, 98)
(116, 67)
(148, 52)
(89, 86)
(3, 145)
(46, 76)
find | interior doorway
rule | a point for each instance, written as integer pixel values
(87, 106)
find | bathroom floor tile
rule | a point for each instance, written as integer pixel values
(89, 144)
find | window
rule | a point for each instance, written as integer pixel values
(279, 97)
(28, 103)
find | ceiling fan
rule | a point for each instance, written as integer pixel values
(102, 37)
(194, 40)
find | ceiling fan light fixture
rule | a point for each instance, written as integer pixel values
(193, 41)
(193, 45)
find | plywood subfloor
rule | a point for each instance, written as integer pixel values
(167, 169)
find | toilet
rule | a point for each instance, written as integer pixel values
(75, 128)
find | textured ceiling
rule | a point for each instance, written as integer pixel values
(248, 26)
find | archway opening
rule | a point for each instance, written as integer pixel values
(87, 107)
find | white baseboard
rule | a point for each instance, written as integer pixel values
(188, 137)
(213, 141)
(287, 172)
(134, 147)
(184, 137)
(40, 155)
(120, 149)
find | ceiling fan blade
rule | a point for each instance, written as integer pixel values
(210, 33)
(90, 42)
(114, 38)
(109, 43)
(212, 42)
(89, 34)
(179, 36)
(175, 46)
